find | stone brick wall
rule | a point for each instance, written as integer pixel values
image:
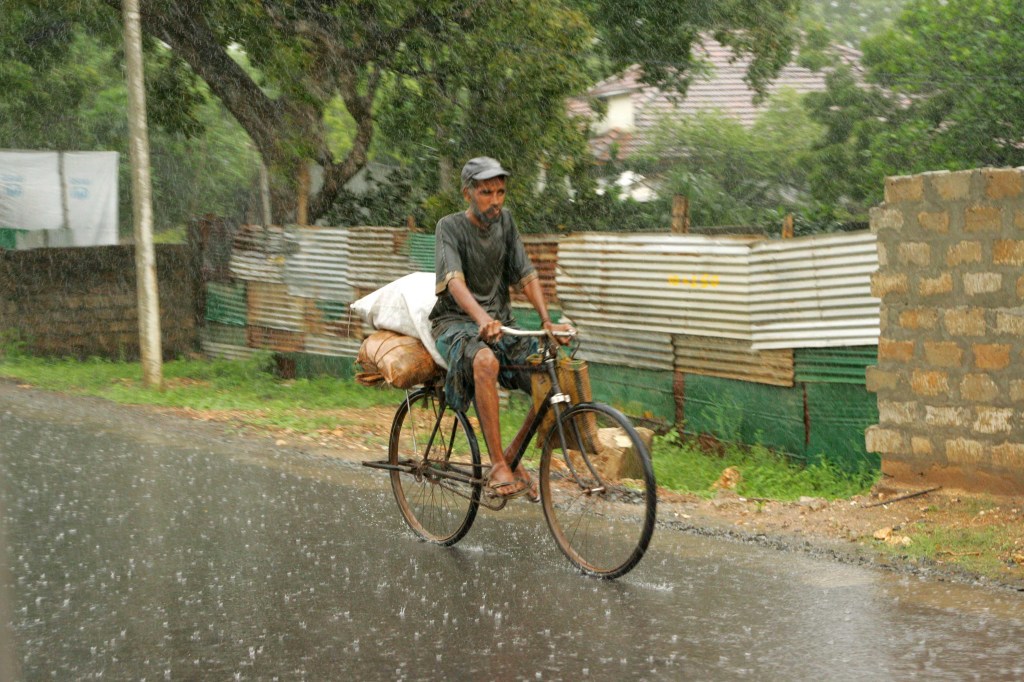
(950, 374)
(81, 302)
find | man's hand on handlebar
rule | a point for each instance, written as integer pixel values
(490, 331)
(562, 333)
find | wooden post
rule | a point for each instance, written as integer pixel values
(302, 209)
(142, 201)
(787, 226)
(680, 214)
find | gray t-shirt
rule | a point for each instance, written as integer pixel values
(488, 259)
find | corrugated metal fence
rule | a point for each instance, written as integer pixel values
(750, 339)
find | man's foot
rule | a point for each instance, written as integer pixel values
(502, 483)
(523, 476)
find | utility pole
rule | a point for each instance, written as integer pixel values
(142, 202)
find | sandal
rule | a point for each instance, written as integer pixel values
(495, 489)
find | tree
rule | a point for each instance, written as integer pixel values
(465, 76)
(943, 91)
(731, 174)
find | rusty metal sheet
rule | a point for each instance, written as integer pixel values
(280, 340)
(731, 359)
(258, 254)
(270, 305)
(543, 252)
(331, 319)
(380, 255)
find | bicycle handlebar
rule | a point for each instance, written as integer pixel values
(511, 331)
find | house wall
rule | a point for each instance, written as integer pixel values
(620, 114)
(950, 373)
(81, 302)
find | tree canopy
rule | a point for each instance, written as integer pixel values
(942, 90)
(437, 80)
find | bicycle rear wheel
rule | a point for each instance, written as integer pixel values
(436, 492)
(599, 491)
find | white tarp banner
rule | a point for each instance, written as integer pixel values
(72, 196)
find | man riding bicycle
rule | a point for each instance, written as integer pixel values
(479, 255)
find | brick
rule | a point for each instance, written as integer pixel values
(1010, 321)
(982, 219)
(946, 416)
(885, 218)
(1003, 183)
(877, 380)
(929, 382)
(963, 253)
(919, 318)
(934, 221)
(1008, 252)
(922, 446)
(993, 420)
(978, 283)
(943, 353)
(897, 351)
(914, 253)
(897, 412)
(1017, 391)
(885, 441)
(978, 388)
(904, 188)
(1008, 455)
(951, 186)
(964, 451)
(935, 286)
(883, 285)
(991, 356)
(964, 321)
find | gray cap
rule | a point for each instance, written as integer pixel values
(481, 168)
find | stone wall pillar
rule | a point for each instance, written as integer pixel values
(950, 372)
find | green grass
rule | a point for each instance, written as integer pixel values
(217, 385)
(249, 389)
(979, 550)
(683, 465)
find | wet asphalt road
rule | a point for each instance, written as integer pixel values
(149, 547)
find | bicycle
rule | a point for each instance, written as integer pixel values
(597, 484)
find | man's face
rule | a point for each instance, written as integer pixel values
(486, 199)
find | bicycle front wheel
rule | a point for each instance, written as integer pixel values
(437, 487)
(598, 490)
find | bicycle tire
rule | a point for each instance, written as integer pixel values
(603, 532)
(437, 508)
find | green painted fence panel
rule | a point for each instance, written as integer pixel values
(226, 303)
(639, 393)
(9, 238)
(527, 318)
(834, 365)
(311, 365)
(745, 412)
(838, 414)
(421, 251)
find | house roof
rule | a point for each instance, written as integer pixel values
(721, 89)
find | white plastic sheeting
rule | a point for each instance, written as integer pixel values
(59, 198)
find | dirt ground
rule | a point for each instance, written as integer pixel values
(941, 533)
